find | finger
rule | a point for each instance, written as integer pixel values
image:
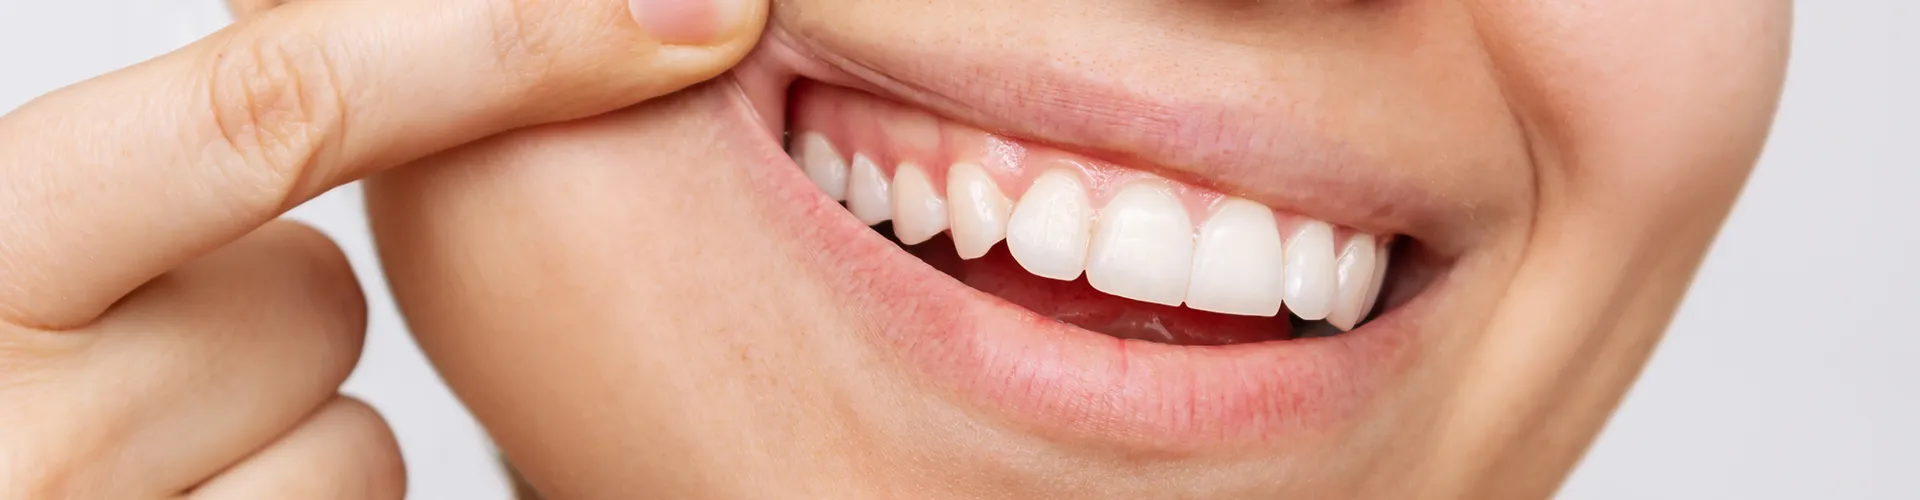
(344, 451)
(106, 184)
(243, 9)
(194, 370)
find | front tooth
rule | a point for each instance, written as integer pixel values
(1310, 277)
(1048, 230)
(1142, 245)
(1354, 274)
(867, 192)
(979, 210)
(1237, 265)
(918, 212)
(823, 164)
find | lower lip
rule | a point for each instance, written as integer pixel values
(1056, 380)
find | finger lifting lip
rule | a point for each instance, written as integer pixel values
(1033, 373)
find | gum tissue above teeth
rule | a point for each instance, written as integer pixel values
(1132, 234)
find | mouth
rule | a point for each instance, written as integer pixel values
(1082, 290)
(1114, 250)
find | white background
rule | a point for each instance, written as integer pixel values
(1792, 371)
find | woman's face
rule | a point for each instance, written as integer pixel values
(663, 302)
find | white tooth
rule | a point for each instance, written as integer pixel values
(918, 212)
(979, 210)
(1381, 255)
(1048, 230)
(823, 164)
(1237, 265)
(1310, 277)
(867, 192)
(1354, 273)
(1142, 245)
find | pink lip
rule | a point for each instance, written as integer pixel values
(1048, 378)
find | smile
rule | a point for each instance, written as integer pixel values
(1079, 293)
(1132, 234)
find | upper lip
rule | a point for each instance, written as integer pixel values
(1268, 154)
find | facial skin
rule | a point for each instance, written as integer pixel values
(656, 303)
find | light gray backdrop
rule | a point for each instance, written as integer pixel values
(1792, 372)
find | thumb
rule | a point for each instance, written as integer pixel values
(295, 100)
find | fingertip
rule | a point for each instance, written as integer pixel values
(668, 66)
(380, 456)
(696, 22)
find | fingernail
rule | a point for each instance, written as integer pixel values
(688, 22)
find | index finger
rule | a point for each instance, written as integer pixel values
(109, 183)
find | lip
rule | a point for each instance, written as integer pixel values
(1055, 380)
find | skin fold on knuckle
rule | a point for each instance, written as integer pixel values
(523, 44)
(275, 98)
(33, 471)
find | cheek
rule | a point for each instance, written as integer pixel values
(1648, 108)
(577, 283)
(1643, 118)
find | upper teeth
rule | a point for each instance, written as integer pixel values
(980, 211)
(918, 211)
(867, 192)
(1142, 243)
(1237, 264)
(1050, 227)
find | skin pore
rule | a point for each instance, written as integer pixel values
(654, 302)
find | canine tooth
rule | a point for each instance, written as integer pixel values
(823, 164)
(1310, 277)
(1354, 274)
(1238, 262)
(1142, 245)
(1048, 230)
(918, 212)
(868, 194)
(979, 210)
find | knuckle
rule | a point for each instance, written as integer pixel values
(521, 39)
(275, 98)
(27, 355)
(33, 473)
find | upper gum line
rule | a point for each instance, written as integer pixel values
(890, 134)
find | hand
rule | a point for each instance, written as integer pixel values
(161, 335)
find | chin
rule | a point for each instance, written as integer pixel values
(1369, 253)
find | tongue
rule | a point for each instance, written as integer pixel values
(1077, 303)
